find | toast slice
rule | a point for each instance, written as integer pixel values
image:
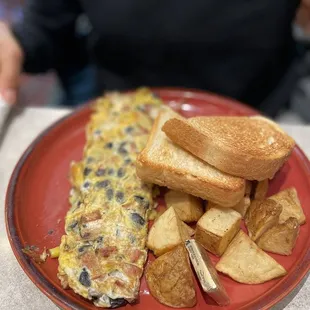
(280, 239)
(291, 206)
(166, 164)
(246, 263)
(253, 148)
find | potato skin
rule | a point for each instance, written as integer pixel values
(290, 203)
(261, 216)
(261, 190)
(170, 279)
(280, 239)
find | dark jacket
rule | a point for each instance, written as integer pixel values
(239, 48)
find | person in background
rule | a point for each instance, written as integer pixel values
(241, 49)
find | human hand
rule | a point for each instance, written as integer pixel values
(11, 60)
(303, 16)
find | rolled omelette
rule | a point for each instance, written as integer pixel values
(104, 250)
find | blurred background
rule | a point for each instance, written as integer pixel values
(38, 90)
(46, 90)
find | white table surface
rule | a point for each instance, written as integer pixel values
(16, 290)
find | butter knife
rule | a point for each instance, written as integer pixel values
(5, 108)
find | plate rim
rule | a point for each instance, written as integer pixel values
(28, 266)
(26, 263)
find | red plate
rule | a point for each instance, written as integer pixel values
(37, 201)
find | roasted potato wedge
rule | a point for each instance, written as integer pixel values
(248, 188)
(261, 189)
(280, 239)
(243, 206)
(189, 231)
(261, 216)
(216, 228)
(188, 207)
(291, 207)
(170, 279)
(167, 232)
(245, 262)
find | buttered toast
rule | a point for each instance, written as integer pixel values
(253, 148)
(166, 164)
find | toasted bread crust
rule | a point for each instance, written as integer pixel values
(223, 156)
(226, 192)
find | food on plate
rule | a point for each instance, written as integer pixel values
(189, 230)
(290, 203)
(104, 249)
(261, 216)
(216, 228)
(281, 238)
(33, 252)
(188, 207)
(166, 164)
(243, 206)
(170, 279)
(248, 188)
(206, 273)
(103, 252)
(54, 252)
(253, 148)
(245, 262)
(261, 189)
(167, 232)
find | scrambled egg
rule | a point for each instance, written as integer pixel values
(103, 251)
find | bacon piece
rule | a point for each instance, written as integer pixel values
(96, 215)
(132, 270)
(107, 251)
(135, 255)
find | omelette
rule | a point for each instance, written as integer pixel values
(103, 251)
